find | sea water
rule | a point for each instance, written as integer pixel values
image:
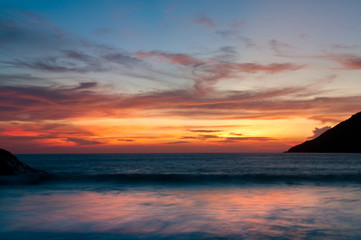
(186, 196)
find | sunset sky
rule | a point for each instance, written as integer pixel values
(175, 76)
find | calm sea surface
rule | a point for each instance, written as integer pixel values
(186, 196)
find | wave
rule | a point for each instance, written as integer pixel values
(187, 178)
(213, 178)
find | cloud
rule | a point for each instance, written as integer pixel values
(181, 59)
(82, 142)
(205, 21)
(233, 34)
(258, 139)
(318, 131)
(344, 47)
(203, 131)
(189, 137)
(29, 29)
(216, 138)
(57, 64)
(207, 72)
(6, 79)
(326, 118)
(207, 75)
(32, 103)
(18, 133)
(120, 58)
(351, 62)
(87, 85)
(347, 61)
(280, 48)
(41, 129)
(208, 136)
(270, 68)
(228, 50)
(248, 41)
(237, 134)
(178, 142)
(73, 61)
(227, 34)
(237, 25)
(30, 42)
(125, 140)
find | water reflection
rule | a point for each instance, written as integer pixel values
(264, 212)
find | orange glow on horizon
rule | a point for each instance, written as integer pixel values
(171, 135)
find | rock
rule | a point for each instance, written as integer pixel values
(343, 138)
(10, 165)
(12, 170)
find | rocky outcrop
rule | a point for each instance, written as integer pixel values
(12, 170)
(343, 138)
(10, 165)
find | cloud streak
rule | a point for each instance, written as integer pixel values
(205, 21)
(181, 59)
(350, 62)
(209, 71)
(33, 103)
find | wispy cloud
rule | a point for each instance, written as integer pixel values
(237, 25)
(73, 61)
(280, 48)
(208, 136)
(217, 138)
(42, 46)
(344, 47)
(233, 34)
(125, 140)
(81, 142)
(207, 72)
(43, 131)
(178, 142)
(204, 130)
(33, 103)
(26, 78)
(57, 65)
(205, 21)
(207, 75)
(173, 58)
(350, 62)
(84, 85)
(257, 139)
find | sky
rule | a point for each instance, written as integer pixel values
(175, 76)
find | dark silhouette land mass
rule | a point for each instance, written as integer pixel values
(13, 171)
(345, 137)
(11, 165)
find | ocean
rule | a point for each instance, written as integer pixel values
(185, 196)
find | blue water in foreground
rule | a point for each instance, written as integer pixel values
(185, 196)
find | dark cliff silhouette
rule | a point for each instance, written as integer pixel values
(12, 170)
(345, 137)
(10, 165)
